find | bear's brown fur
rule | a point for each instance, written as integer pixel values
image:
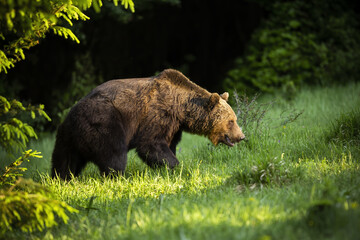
(148, 114)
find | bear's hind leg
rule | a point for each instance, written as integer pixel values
(157, 155)
(114, 164)
(110, 154)
(67, 164)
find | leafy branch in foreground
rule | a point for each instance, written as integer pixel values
(15, 134)
(12, 172)
(23, 23)
(30, 206)
(24, 204)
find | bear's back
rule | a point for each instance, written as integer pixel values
(121, 87)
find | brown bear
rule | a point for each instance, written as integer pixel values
(148, 114)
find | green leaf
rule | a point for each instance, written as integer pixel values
(294, 24)
(128, 3)
(65, 32)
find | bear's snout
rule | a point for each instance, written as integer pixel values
(242, 137)
(231, 139)
(238, 136)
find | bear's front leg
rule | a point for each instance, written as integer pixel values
(156, 155)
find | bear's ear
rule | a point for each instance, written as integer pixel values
(225, 96)
(213, 100)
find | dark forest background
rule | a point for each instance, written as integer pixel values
(252, 45)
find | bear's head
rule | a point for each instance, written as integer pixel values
(224, 126)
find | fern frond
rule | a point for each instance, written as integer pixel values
(83, 4)
(65, 17)
(69, 12)
(127, 4)
(5, 62)
(76, 13)
(65, 32)
(15, 134)
(4, 105)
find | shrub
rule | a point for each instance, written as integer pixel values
(30, 206)
(300, 42)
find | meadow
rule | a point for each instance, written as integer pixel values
(295, 177)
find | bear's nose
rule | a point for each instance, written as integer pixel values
(242, 137)
(239, 138)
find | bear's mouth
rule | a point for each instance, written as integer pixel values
(228, 141)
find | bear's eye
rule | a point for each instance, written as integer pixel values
(231, 123)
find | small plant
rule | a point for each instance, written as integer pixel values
(346, 129)
(13, 171)
(250, 113)
(289, 116)
(275, 171)
(30, 206)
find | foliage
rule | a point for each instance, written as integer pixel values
(29, 206)
(23, 23)
(346, 128)
(15, 134)
(24, 204)
(13, 171)
(300, 42)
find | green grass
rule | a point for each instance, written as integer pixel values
(289, 180)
